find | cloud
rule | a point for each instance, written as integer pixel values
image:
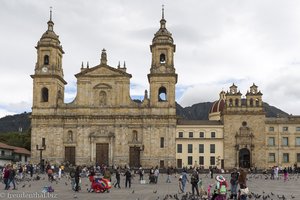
(217, 43)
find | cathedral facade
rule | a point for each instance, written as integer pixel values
(103, 125)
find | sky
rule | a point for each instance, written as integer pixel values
(218, 43)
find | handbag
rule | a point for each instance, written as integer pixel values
(244, 191)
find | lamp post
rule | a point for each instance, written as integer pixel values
(41, 148)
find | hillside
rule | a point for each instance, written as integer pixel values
(199, 111)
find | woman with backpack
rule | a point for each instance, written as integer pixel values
(220, 189)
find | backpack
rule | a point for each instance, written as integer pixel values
(223, 189)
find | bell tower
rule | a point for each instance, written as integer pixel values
(48, 81)
(162, 77)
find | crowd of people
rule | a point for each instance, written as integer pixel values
(218, 189)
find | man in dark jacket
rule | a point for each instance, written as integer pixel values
(77, 177)
(194, 182)
(118, 173)
(128, 178)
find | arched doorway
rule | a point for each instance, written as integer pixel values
(244, 158)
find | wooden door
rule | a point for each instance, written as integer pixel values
(70, 155)
(179, 163)
(134, 157)
(102, 153)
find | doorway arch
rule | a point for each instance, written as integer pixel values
(244, 158)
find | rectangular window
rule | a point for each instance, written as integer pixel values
(162, 142)
(201, 148)
(190, 160)
(298, 128)
(180, 134)
(286, 158)
(285, 141)
(191, 134)
(212, 148)
(201, 134)
(179, 148)
(298, 157)
(271, 129)
(271, 141)
(201, 160)
(272, 157)
(43, 142)
(285, 129)
(161, 163)
(2, 153)
(212, 160)
(190, 148)
(213, 134)
(297, 141)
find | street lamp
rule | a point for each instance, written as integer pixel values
(41, 148)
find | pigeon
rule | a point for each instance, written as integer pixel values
(23, 185)
(66, 183)
(132, 191)
(154, 191)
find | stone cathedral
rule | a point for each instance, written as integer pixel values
(103, 124)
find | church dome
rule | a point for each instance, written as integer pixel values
(50, 34)
(217, 108)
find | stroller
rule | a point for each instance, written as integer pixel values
(100, 185)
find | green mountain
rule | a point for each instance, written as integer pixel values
(199, 111)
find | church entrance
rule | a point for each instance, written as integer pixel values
(134, 157)
(102, 154)
(70, 155)
(244, 158)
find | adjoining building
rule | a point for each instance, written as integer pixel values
(12, 154)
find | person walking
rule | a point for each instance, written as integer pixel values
(127, 178)
(194, 182)
(184, 179)
(233, 184)
(243, 185)
(77, 178)
(285, 174)
(156, 174)
(11, 178)
(118, 174)
(141, 173)
(168, 175)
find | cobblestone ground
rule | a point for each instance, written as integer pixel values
(258, 184)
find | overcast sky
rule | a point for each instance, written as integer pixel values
(217, 43)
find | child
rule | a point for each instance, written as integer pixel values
(180, 185)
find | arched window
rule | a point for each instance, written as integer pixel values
(162, 58)
(102, 98)
(135, 136)
(162, 94)
(236, 102)
(256, 102)
(251, 102)
(45, 94)
(230, 102)
(70, 136)
(46, 60)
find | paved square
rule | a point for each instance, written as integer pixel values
(62, 189)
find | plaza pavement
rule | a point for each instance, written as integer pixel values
(257, 184)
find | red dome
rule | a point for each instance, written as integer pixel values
(217, 106)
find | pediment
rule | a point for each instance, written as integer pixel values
(103, 71)
(102, 86)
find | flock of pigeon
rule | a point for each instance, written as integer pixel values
(274, 195)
